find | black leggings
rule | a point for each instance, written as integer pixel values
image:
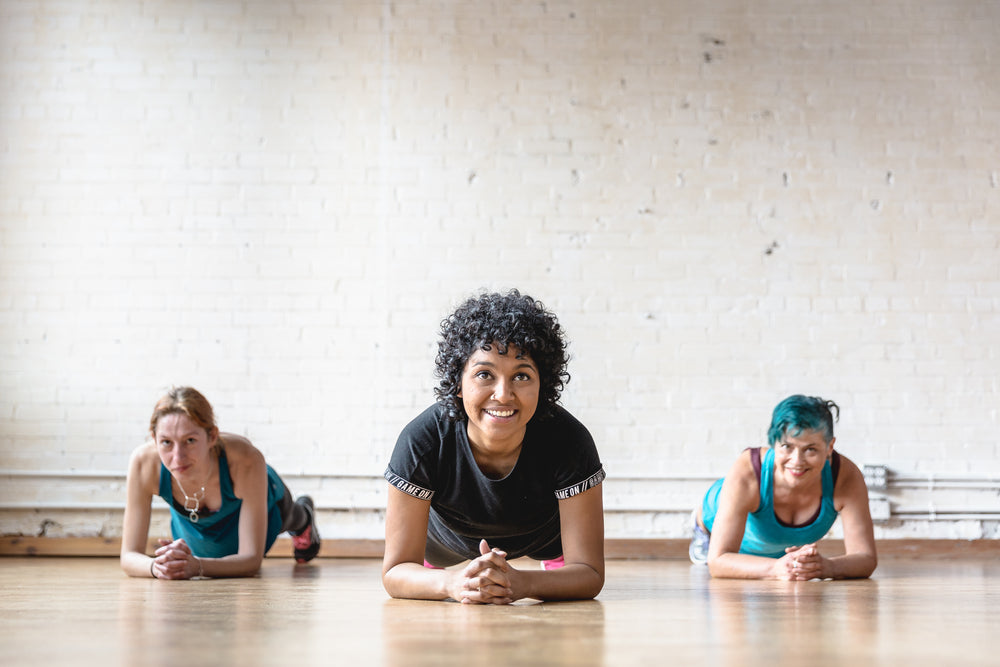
(295, 516)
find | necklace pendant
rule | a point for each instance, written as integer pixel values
(192, 505)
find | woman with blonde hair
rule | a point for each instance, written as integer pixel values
(227, 505)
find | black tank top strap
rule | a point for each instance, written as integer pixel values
(835, 465)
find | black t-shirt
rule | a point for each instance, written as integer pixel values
(433, 461)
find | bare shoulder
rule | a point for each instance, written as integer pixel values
(849, 472)
(246, 465)
(741, 485)
(850, 481)
(145, 455)
(240, 453)
(145, 451)
(238, 448)
(742, 469)
(144, 465)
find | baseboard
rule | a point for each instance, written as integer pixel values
(614, 549)
(888, 548)
(111, 546)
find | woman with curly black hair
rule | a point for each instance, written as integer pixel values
(496, 469)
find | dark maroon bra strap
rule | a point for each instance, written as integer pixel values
(755, 460)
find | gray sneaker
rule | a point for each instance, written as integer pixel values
(698, 549)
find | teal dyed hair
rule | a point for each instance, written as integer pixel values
(802, 413)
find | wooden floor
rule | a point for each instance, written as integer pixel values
(84, 611)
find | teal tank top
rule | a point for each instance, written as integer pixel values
(764, 534)
(216, 535)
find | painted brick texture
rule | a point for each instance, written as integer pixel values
(725, 203)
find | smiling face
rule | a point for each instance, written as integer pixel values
(184, 447)
(500, 396)
(799, 459)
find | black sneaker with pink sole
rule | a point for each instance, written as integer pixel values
(306, 544)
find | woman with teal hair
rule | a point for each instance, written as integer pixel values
(763, 519)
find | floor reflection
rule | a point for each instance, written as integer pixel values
(449, 633)
(85, 611)
(790, 621)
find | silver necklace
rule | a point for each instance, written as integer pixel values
(192, 503)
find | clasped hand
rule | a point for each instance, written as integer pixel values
(174, 560)
(486, 580)
(800, 564)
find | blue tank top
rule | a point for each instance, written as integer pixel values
(216, 535)
(765, 535)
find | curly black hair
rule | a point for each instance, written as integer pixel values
(510, 319)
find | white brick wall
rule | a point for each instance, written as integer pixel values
(277, 202)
